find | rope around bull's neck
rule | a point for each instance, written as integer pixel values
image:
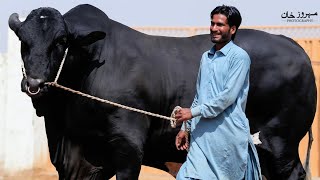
(172, 119)
(61, 65)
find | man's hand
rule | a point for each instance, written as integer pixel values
(183, 114)
(181, 140)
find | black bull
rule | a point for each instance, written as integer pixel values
(89, 139)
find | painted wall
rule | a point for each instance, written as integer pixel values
(23, 142)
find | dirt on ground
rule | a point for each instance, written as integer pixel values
(147, 173)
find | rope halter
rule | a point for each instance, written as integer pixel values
(55, 79)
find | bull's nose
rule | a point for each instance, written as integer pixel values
(34, 85)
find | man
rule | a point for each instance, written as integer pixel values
(220, 143)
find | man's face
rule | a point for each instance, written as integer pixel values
(220, 30)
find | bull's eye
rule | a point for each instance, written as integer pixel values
(61, 41)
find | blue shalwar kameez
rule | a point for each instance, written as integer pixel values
(220, 143)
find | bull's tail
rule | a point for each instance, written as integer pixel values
(307, 162)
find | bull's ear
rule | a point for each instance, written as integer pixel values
(83, 33)
(89, 38)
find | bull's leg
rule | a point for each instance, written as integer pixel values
(307, 162)
(265, 162)
(127, 160)
(127, 143)
(71, 164)
(279, 159)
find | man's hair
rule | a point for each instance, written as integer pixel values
(233, 16)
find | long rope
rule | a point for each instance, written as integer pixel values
(173, 121)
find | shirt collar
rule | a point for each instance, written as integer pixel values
(223, 50)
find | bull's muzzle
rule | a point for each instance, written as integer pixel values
(31, 92)
(33, 86)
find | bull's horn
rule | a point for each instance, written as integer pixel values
(14, 22)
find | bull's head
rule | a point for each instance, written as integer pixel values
(44, 36)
